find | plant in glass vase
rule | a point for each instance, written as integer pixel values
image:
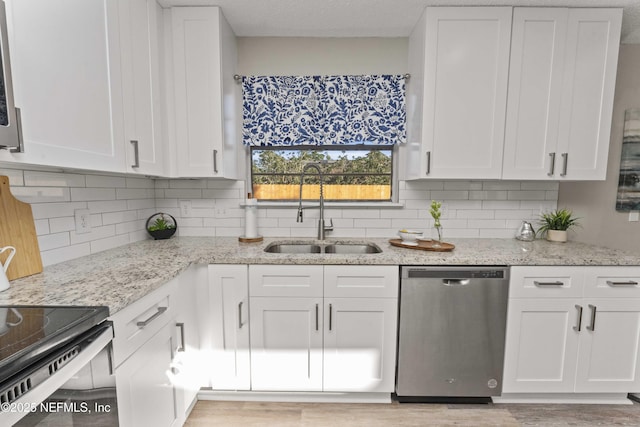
(434, 210)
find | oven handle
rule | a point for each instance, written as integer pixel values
(45, 389)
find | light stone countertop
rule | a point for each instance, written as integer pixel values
(120, 276)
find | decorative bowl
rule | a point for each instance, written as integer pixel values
(410, 236)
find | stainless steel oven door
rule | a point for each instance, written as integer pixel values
(80, 393)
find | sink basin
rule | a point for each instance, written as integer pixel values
(293, 248)
(333, 248)
(352, 248)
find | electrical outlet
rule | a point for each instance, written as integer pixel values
(634, 216)
(185, 208)
(221, 212)
(83, 221)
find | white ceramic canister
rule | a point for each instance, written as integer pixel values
(4, 281)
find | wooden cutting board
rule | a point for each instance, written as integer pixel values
(17, 229)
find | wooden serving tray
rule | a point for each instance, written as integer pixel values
(424, 245)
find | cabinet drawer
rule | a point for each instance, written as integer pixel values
(285, 280)
(612, 282)
(361, 281)
(541, 282)
(138, 322)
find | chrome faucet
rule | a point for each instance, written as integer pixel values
(322, 228)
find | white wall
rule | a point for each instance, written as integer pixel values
(119, 208)
(594, 202)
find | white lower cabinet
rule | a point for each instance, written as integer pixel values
(319, 331)
(146, 394)
(359, 344)
(567, 341)
(229, 305)
(157, 354)
(286, 344)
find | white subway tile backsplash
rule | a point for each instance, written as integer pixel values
(51, 179)
(526, 195)
(373, 223)
(65, 253)
(107, 206)
(140, 183)
(92, 194)
(53, 241)
(102, 181)
(135, 193)
(58, 225)
(95, 234)
(118, 217)
(183, 193)
(450, 195)
(187, 183)
(16, 176)
(463, 185)
(109, 243)
(222, 193)
(501, 185)
(55, 210)
(41, 194)
(42, 226)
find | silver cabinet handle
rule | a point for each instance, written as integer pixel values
(330, 316)
(215, 161)
(579, 325)
(592, 326)
(556, 283)
(552, 166)
(182, 347)
(565, 158)
(428, 162)
(136, 154)
(240, 324)
(20, 147)
(317, 326)
(628, 283)
(144, 323)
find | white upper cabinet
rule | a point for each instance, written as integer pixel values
(206, 98)
(140, 31)
(457, 94)
(561, 87)
(67, 82)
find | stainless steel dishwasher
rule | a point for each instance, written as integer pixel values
(451, 333)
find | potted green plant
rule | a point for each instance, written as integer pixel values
(556, 224)
(161, 226)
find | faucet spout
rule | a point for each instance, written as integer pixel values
(322, 228)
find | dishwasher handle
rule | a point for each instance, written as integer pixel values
(455, 282)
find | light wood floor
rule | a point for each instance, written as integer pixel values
(222, 414)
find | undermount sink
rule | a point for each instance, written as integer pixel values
(351, 248)
(293, 248)
(333, 248)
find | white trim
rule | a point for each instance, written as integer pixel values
(302, 397)
(570, 398)
(344, 205)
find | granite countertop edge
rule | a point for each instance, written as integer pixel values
(120, 276)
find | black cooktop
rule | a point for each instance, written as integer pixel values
(28, 333)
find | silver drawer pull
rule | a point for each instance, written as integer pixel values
(579, 325)
(144, 323)
(627, 283)
(592, 326)
(183, 345)
(552, 164)
(240, 323)
(556, 283)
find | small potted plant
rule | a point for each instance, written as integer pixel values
(161, 226)
(556, 224)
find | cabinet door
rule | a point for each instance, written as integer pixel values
(593, 39)
(360, 344)
(229, 303)
(541, 345)
(67, 82)
(465, 90)
(144, 384)
(608, 360)
(188, 361)
(140, 23)
(206, 105)
(286, 344)
(535, 85)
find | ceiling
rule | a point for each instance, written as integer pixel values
(368, 18)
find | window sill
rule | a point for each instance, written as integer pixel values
(331, 205)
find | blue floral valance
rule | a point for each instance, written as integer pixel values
(323, 110)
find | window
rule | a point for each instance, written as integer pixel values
(350, 172)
